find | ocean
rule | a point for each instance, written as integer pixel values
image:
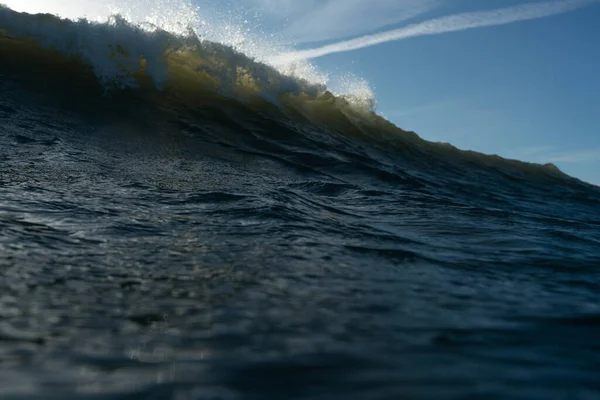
(179, 221)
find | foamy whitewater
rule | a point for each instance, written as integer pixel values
(183, 218)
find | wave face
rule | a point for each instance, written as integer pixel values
(179, 220)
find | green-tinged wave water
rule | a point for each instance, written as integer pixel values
(178, 221)
(185, 71)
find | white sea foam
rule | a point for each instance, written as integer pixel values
(113, 37)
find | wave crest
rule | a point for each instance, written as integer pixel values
(122, 55)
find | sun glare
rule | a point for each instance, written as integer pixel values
(73, 9)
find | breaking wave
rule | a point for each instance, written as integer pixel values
(180, 68)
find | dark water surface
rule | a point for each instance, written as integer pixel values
(155, 247)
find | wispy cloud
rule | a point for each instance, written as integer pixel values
(337, 19)
(321, 20)
(452, 23)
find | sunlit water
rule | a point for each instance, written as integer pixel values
(260, 238)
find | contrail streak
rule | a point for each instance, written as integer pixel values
(452, 23)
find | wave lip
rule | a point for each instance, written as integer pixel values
(118, 51)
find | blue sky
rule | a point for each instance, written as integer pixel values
(528, 89)
(518, 78)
